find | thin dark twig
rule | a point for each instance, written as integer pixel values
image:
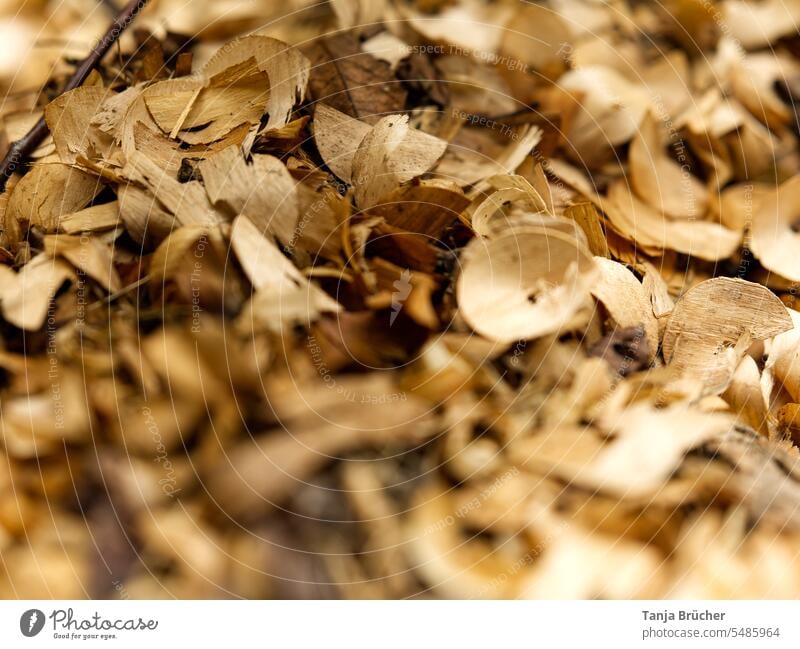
(122, 292)
(21, 150)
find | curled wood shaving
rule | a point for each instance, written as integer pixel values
(625, 299)
(505, 300)
(48, 192)
(639, 222)
(286, 67)
(391, 154)
(337, 136)
(660, 181)
(774, 240)
(26, 298)
(263, 190)
(710, 347)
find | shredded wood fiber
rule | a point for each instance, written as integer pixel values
(392, 299)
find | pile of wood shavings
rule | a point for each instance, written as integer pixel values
(392, 299)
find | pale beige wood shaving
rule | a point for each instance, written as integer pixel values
(264, 190)
(92, 219)
(337, 136)
(535, 35)
(625, 299)
(87, 254)
(658, 291)
(757, 24)
(783, 357)
(652, 440)
(713, 324)
(662, 183)
(391, 154)
(263, 263)
(354, 13)
(26, 301)
(37, 424)
(474, 27)
(639, 222)
(227, 100)
(753, 82)
(740, 204)
(386, 47)
(144, 217)
(50, 191)
(114, 108)
(435, 548)
(774, 240)
(506, 189)
(611, 110)
(286, 67)
(468, 167)
(70, 119)
(523, 284)
(745, 397)
(578, 565)
(173, 251)
(282, 294)
(187, 201)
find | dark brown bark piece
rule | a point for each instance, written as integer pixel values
(407, 249)
(424, 209)
(352, 81)
(423, 81)
(625, 349)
